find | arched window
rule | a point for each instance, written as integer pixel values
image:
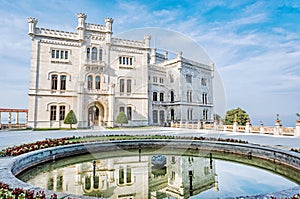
(122, 85)
(63, 79)
(154, 96)
(121, 175)
(129, 86)
(128, 175)
(161, 97)
(90, 82)
(97, 82)
(162, 116)
(88, 52)
(54, 82)
(94, 53)
(172, 96)
(100, 54)
(155, 117)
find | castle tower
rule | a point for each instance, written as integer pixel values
(108, 25)
(32, 25)
(81, 25)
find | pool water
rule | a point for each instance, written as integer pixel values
(154, 176)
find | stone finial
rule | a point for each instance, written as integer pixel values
(108, 23)
(81, 15)
(32, 20)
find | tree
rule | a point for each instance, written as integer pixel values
(237, 114)
(71, 118)
(122, 118)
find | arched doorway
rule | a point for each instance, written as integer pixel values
(95, 115)
(172, 114)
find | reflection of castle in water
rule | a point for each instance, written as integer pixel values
(133, 177)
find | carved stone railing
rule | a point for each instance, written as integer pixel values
(56, 33)
(277, 130)
(95, 27)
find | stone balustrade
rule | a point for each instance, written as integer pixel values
(278, 129)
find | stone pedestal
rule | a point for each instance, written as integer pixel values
(261, 129)
(248, 127)
(297, 130)
(277, 128)
(199, 125)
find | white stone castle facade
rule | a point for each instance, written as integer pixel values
(98, 76)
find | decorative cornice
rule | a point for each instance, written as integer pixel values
(96, 37)
(124, 49)
(56, 42)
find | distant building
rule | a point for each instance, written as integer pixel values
(98, 76)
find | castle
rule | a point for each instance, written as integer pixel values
(98, 76)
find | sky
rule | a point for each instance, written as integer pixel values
(255, 45)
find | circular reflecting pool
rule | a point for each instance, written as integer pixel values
(150, 175)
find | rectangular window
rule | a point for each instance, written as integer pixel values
(120, 60)
(52, 113)
(130, 61)
(62, 54)
(62, 112)
(155, 117)
(53, 54)
(122, 85)
(66, 55)
(127, 60)
(57, 54)
(54, 82)
(63, 79)
(161, 80)
(129, 86)
(129, 113)
(124, 58)
(122, 109)
(154, 79)
(100, 54)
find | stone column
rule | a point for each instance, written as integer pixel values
(17, 118)
(9, 119)
(297, 130)
(111, 102)
(277, 128)
(186, 124)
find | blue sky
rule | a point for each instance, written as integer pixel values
(255, 44)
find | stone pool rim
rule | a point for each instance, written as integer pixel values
(12, 166)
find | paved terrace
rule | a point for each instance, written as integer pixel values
(11, 138)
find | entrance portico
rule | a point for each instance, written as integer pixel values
(96, 114)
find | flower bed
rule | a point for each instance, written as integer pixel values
(19, 193)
